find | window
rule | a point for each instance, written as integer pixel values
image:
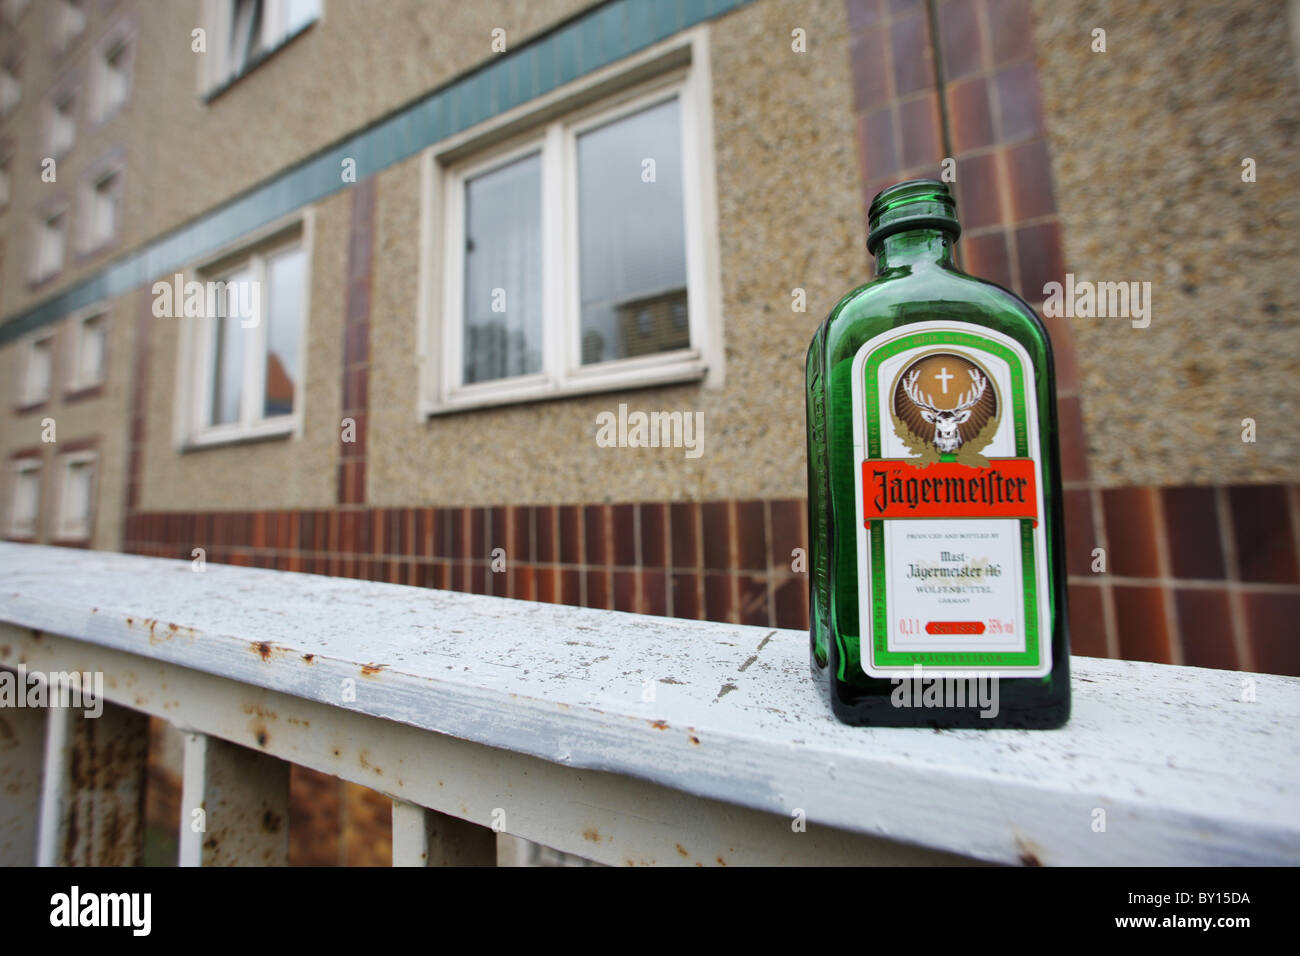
(24, 497)
(113, 68)
(248, 350)
(631, 239)
(39, 371)
(61, 131)
(68, 21)
(11, 91)
(248, 30)
(49, 246)
(100, 209)
(581, 257)
(76, 496)
(89, 340)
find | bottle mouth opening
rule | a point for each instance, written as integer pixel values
(914, 204)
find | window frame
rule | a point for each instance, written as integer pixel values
(63, 530)
(615, 369)
(193, 430)
(121, 33)
(53, 115)
(453, 365)
(89, 244)
(676, 68)
(216, 70)
(40, 274)
(76, 386)
(18, 467)
(27, 400)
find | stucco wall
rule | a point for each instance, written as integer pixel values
(789, 216)
(1147, 144)
(274, 473)
(358, 62)
(100, 416)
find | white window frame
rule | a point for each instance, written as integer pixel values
(41, 270)
(20, 467)
(54, 116)
(678, 67)
(78, 322)
(216, 68)
(121, 34)
(194, 387)
(65, 527)
(26, 396)
(88, 241)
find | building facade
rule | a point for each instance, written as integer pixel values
(513, 298)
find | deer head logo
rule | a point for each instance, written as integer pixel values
(946, 421)
(945, 404)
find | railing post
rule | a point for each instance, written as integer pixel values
(22, 749)
(423, 837)
(92, 792)
(234, 805)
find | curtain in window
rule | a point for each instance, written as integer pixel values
(503, 272)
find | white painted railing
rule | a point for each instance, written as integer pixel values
(617, 737)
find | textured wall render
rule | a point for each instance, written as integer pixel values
(1147, 142)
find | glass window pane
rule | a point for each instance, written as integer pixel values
(228, 355)
(282, 313)
(91, 359)
(38, 372)
(503, 272)
(28, 500)
(298, 13)
(103, 210)
(245, 33)
(51, 251)
(76, 510)
(114, 79)
(632, 236)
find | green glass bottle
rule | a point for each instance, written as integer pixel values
(934, 490)
(818, 498)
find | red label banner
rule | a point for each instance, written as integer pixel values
(954, 627)
(895, 488)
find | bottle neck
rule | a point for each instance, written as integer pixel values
(915, 248)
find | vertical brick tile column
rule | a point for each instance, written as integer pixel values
(1202, 576)
(957, 79)
(895, 96)
(356, 344)
(138, 405)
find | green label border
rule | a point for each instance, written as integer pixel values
(1031, 657)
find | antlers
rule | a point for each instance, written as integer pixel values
(926, 402)
(914, 393)
(977, 390)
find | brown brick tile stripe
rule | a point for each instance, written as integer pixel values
(723, 561)
(1201, 576)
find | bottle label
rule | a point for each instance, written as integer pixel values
(952, 551)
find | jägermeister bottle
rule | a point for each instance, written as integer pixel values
(818, 499)
(938, 560)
